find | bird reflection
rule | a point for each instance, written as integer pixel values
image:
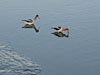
(31, 26)
(60, 34)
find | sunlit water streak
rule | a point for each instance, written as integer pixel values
(13, 64)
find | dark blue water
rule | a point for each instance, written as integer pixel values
(77, 55)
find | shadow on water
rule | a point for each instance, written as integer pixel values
(60, 34)
(31, 26)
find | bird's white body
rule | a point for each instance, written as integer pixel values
(60, 30)
(29, 23)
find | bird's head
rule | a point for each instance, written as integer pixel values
(65, 29)
(37, 16)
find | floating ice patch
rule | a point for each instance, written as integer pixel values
(13, 64)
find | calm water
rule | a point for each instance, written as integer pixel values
(77, 55)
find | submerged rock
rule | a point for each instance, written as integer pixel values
(13, 64)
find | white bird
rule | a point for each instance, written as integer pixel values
(60, 29)
(30, 21)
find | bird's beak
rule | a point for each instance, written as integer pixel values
(38, 17)
(68, 29)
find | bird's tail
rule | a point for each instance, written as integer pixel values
(52, 27)
(23, 20)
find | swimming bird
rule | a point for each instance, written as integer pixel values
(30, 21)
(60, 29)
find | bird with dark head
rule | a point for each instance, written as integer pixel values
(60, 29)
(30, 21)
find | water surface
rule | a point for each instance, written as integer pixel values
(77, 55)
(13, 64)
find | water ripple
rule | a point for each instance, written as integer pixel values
(13, 64)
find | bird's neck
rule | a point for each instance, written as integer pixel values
(35, 18)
